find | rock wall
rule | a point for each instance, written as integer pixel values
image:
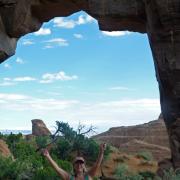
(4, 150)
(39, 128)
(152, 137)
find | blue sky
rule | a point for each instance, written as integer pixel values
(70, 71)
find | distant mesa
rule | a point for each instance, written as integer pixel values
(150, 137)
(39, 128)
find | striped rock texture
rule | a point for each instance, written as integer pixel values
(151, 137)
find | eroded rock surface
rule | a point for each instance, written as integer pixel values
(160, 19)
(4, 150)
(152, 137)
(39, 128)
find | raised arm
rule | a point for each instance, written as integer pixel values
(59, 170)
(92, 172)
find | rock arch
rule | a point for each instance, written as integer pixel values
(160, 19)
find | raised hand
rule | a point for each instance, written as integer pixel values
(102, 147)
(45, 152)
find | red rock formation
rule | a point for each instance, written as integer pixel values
(150, 137)
(4, 150)
(39, 128)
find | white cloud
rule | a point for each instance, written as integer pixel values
(19, 61)
(14, 97)
(78, 36)
(49, 78)
(69, 24)
(115, 33)
(119, 88)
(13, 81)
(7, 79)
(84, 19)
(22, 79)
(27, 42)
(102, 115)
(6, 65)
(48, 47)
(19, 102)
(7, 84)
(43, 32)
(63, 23)
(56, 41)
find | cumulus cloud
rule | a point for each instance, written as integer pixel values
(78, 36)
(20, 102)
(7, 84)
(13, 81)
(14, 97)
(27, 42)
(84, 19)
(56, 42)
(63, 23)
(103, 114)
(45, 78)
(119, 88)
(69, 24)
(7, 66)
(22, 79)
(43, 32)
(19, 61)
(49, 78)
(115, 33)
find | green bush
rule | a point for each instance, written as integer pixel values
(31, 165)
(145, 155)
(121, 171)
(147, 175)
(11, 169)
(171, 175)
(62, 148)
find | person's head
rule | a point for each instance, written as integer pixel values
(79, 165)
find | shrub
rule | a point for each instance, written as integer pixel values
(147, 175)
(11, 169)
(121, 171)
(171, 175)
(62, 149)
(145, 155)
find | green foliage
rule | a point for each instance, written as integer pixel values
(12, 169)
(121, 171)
(13, 139)
(147, 175)
(31, 165)
(66, 131)
(171, 175)
(71, 141)
(1, 136)
(45, 174)
(66, 165)
(42, 141)
(62, 148)
(145, 155)
(91, 150)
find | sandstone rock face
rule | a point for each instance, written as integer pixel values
(150, 137)
(160, 19)
(39, 128)
(4, 150)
